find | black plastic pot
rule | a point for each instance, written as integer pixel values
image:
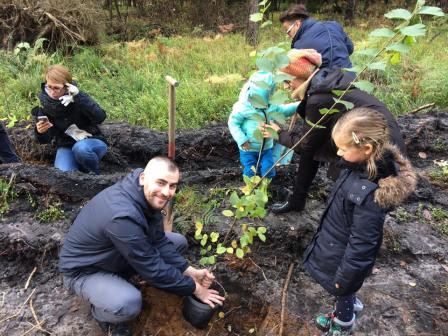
(198, 313)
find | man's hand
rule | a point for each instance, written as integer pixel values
(208, 296)
(202, 276)
(264, 129)
(43, 126)
(246, 146)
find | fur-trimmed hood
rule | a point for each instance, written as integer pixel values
(394, 189)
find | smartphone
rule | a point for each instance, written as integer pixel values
(43, 118)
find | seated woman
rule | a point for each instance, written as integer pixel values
(317, 88)
(71, 119)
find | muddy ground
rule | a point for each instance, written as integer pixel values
(407, 293)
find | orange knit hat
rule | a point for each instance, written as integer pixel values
(303, 64)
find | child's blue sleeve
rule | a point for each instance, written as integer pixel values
(235, 123)
(287, 109)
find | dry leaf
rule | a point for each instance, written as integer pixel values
(427, 215)
(221, 314)
(422, 155)
(403, 263)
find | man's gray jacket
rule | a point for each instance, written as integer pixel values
(117, 231)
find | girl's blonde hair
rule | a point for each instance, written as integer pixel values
(58, 74)
(362, 126)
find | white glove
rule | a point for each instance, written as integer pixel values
(66, 99)
(71, 89)
(76, 133)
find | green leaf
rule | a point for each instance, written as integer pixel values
(364, 85)
(355, 69)
(399, 47)
(272, 133)
(257, 100)
(209, 248)
(261, 229)
(337, 92)
(211, 260)
(214, 237)
(204, 240)
(258, 135)
(257, 117)
(399, 13)
(229, 250)
(262, 237)
(199, 226)
(262, 85)
(279, 97)
(234, 199)
(395, 58)
(203, 261)
(263, 3)
(277, 117)
(313, 125)
(429, 10)
(409, 40)
(203, 252)
(281, 77)
(256, 17)
(414, 30)
(264, 64)
(382, 32)
(348, 105)
(227, 213)
(377, 66)
(327, 111)
(220, 249)
(266, 23)
(243, 241)
(368, 52)
(239, 253)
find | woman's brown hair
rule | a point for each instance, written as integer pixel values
(59, 74)
(362, 126)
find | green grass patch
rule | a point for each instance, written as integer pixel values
(127, 79)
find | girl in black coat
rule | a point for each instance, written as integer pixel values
(70, 118)
(374, 177)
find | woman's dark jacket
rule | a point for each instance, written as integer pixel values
(350, 232)
(84, 112)
(328, 38)
(318, 96)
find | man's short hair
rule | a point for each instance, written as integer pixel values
(295, 12)
(170, 164)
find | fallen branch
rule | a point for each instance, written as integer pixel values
(70, 32)
(20, 309)
(285, 288)
(29, 278)
(422, 108)
(253, 262)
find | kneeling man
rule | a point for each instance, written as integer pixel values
(120, 232)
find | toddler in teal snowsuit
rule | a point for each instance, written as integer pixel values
(243, 123)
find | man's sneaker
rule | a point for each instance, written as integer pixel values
(341, 328)
(358, 306)
(115, 329)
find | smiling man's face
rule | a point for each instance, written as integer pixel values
(159, 184)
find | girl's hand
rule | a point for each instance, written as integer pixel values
(272, 125)
(246, 146)
(72, 89)
(43, 126)
(337, 285)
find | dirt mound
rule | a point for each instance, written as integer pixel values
(406, 295)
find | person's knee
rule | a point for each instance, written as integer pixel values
(179, 241)
(128, 306)
(81, 150)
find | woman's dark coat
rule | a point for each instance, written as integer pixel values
(84, 112)
(350, 232)
(328, 38)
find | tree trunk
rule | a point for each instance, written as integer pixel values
(350, 11)
(252, 27)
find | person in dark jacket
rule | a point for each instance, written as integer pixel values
(119, 233)
(328, 38)
(71, 119)
(7, 154)
(375, 177)
(316, 91)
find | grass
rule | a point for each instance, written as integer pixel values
(127, 79)
(52, 213)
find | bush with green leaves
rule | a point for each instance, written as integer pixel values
(7, 194)
(250, 205)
